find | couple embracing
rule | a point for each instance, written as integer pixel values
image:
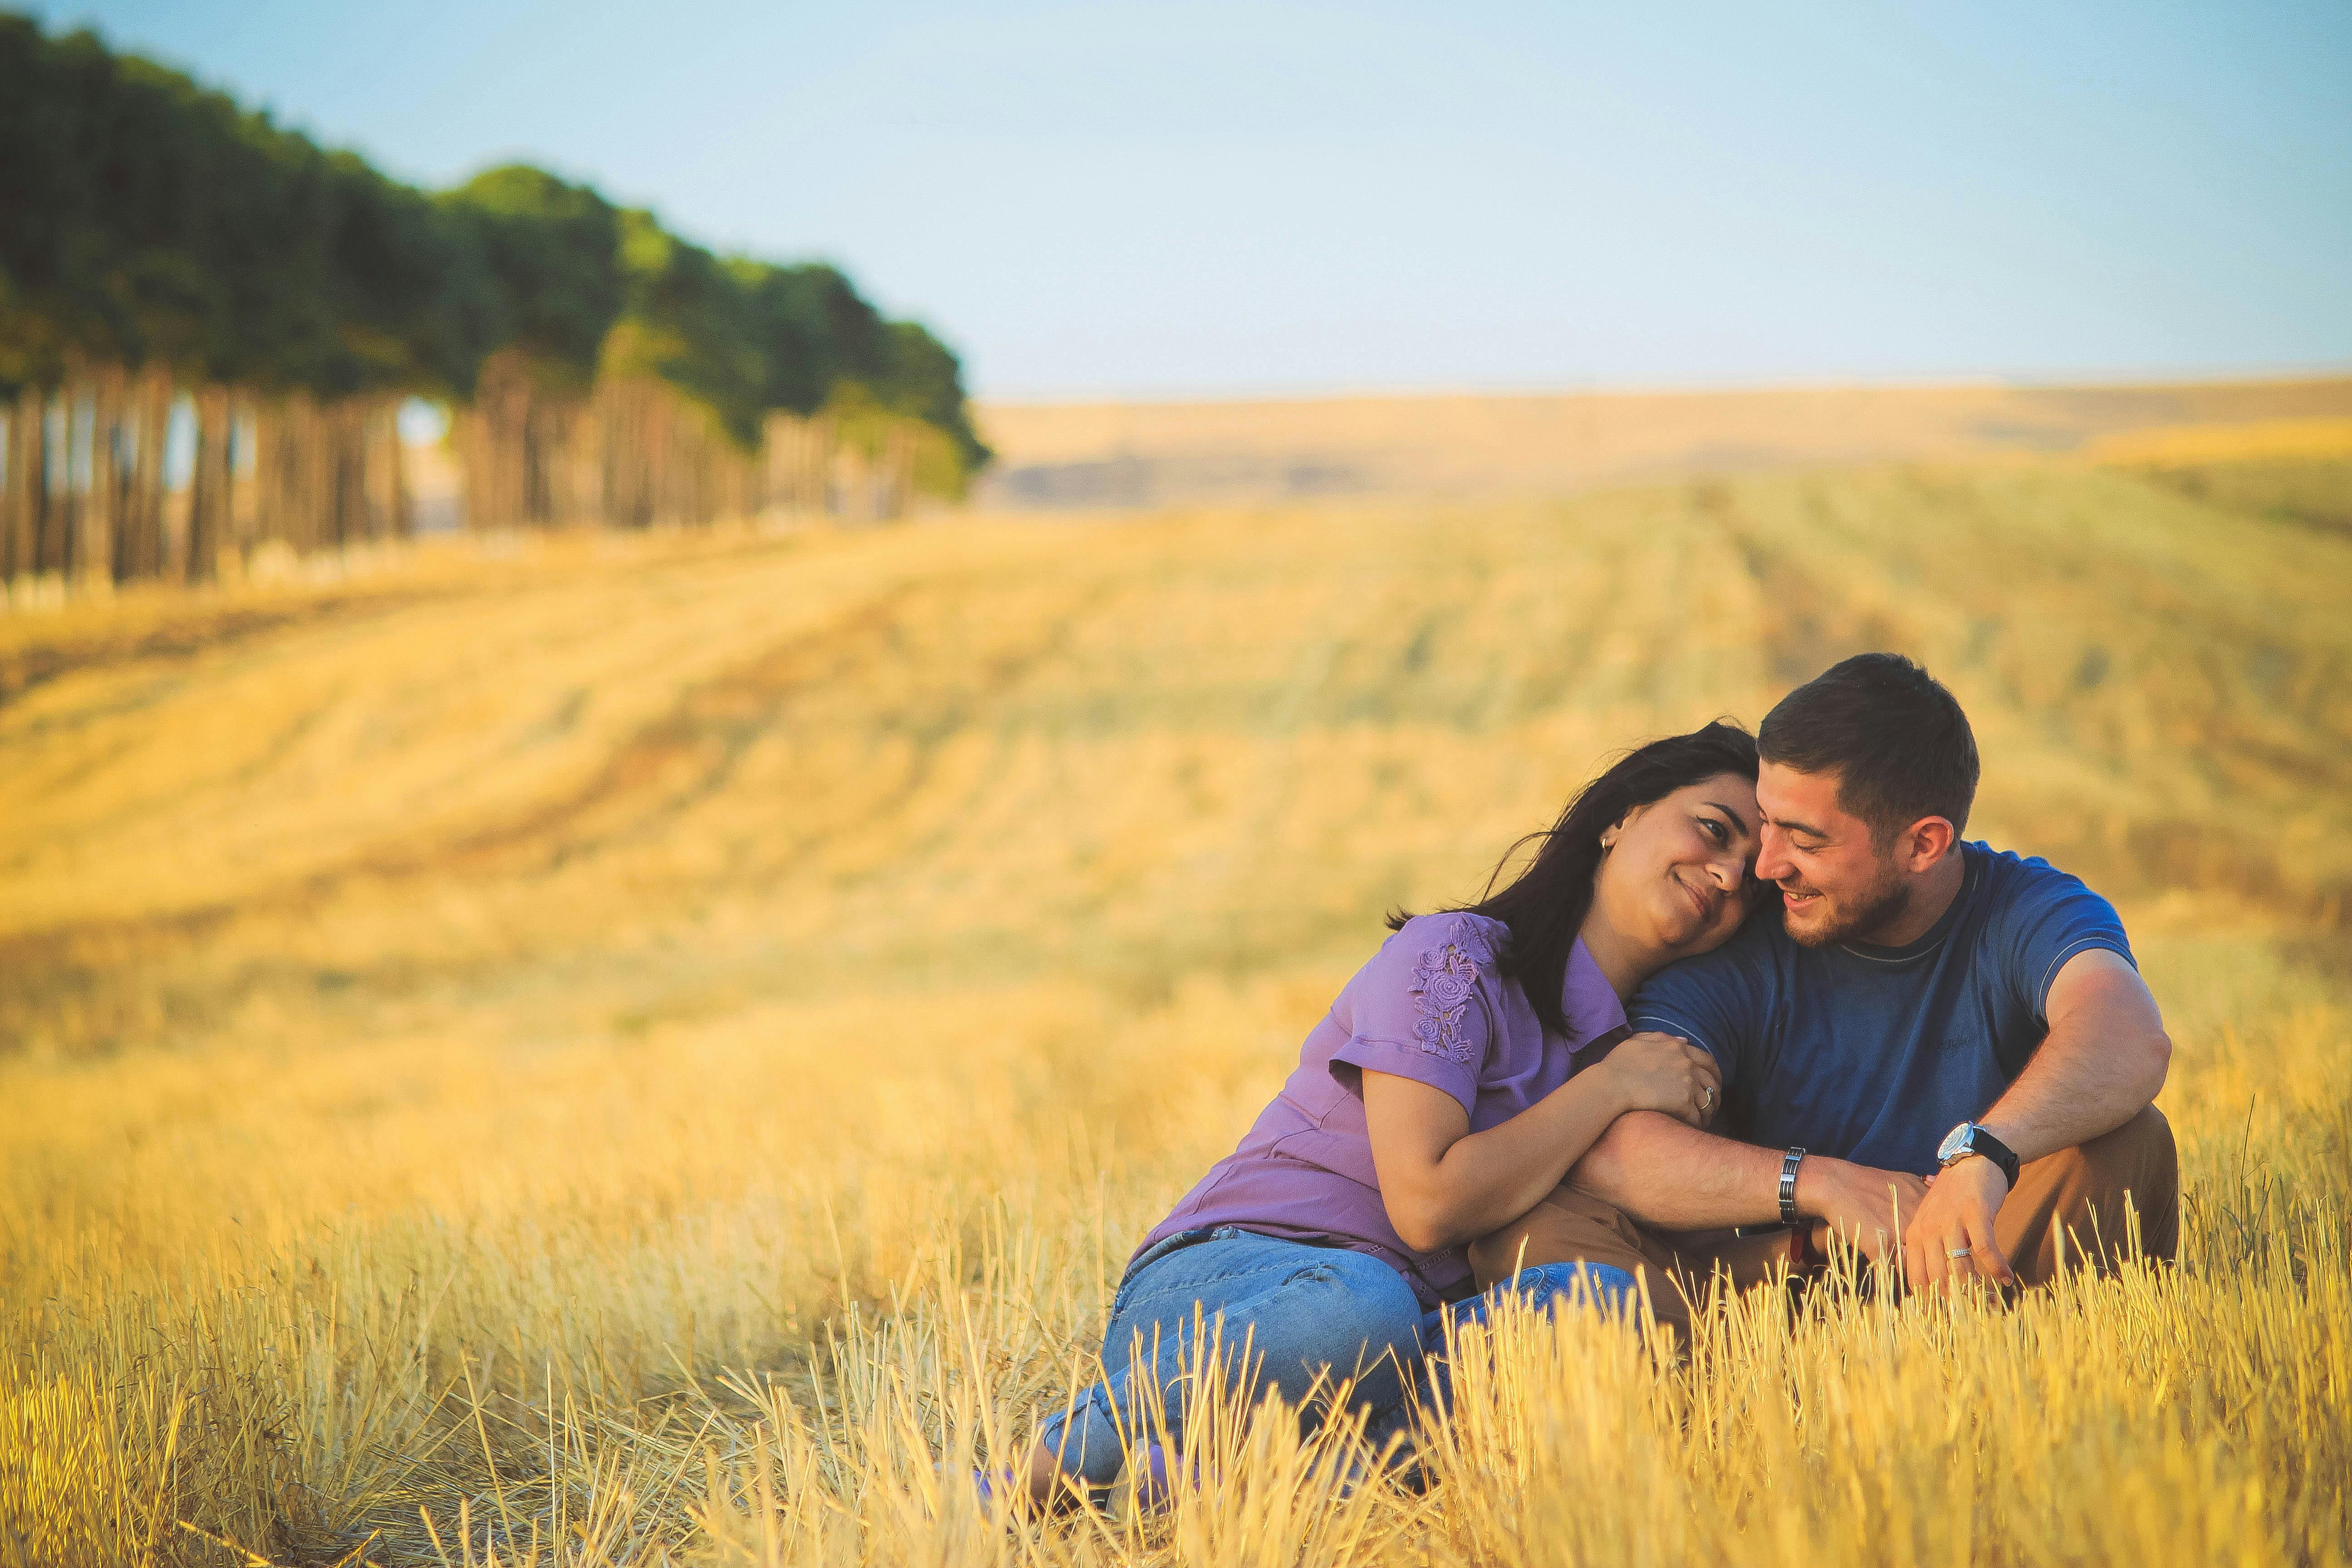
(1749, 993)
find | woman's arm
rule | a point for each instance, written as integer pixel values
(1443, 1185)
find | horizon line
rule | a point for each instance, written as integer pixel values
(1346, 392)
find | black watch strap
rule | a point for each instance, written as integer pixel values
(1983, 1142)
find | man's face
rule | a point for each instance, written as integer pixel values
(1836, 883)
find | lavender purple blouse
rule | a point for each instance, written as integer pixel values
(1429, 1006)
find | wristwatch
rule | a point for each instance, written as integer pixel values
(1969, 1139)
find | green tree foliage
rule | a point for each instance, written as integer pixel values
(552, 255)
(148, 220)
(816, 330)
(819, 337)
(924, 381)
(687, 321)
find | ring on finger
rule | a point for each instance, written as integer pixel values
(1957, 1251)
(1707, 1097)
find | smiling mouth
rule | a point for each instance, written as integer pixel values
(1700, 900)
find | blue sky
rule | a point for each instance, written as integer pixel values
(1166, 198)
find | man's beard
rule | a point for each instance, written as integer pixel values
(1873, 909)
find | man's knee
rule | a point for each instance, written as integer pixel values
(2140, 1150)
(2139, 1163)
(2086, 1202)
(2146, 1139)
(2139, 1158)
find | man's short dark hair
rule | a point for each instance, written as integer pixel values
(1896, 740)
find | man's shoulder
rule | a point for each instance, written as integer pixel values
(1753, 953)
(2008, 880)
(2032, 917)
(2009, 866)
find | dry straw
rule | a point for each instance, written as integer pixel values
(659, 1053)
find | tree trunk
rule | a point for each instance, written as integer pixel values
(139, 531)
(28, 485)
(358, 426)
(314, 527)
(56, 487)
(404, 503)
(102, 510)
(244, 492)
(268, 471)
(307, 461)
(496, 444)
(151, 481)
(818, 446)
(334, 479)
(12, 479)
(896, 478)
(357, 452)
(58, 556)
(208, 501)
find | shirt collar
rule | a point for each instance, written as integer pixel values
(1588, 1000)
(1933, 938)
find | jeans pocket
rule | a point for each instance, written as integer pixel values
(1158, 1250)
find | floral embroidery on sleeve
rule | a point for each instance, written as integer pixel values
(1442, 986)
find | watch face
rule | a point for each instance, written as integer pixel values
(1955, 1143)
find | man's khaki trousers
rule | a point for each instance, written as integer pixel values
(2069, 1203)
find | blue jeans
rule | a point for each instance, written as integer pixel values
(1308, 1314)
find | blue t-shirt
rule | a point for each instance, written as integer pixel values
(1873, 1054)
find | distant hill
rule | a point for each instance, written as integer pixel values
(1150, 454)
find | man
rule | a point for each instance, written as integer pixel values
(1933, 1045)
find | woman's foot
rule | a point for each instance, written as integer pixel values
(1037, 1488)
(1153, 1491)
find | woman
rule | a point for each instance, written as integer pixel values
(1443, 1096)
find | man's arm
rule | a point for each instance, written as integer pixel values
(2101, 1064)
(1675, 1177)
(1443, 1185)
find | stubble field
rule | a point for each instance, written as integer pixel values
(591, 1051)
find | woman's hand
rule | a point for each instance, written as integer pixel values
(1666, 1072)
(1443, 1185)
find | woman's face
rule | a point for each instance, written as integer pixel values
(1677, 874)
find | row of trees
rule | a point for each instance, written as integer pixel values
(633, 451)
(86, 492)
(206, 321)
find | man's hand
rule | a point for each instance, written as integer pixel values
(1867, 1207)
(1956, 1213)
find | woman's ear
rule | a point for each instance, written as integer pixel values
(1609, 835)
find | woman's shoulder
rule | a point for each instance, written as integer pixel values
(1478, 938)
(1429, 990)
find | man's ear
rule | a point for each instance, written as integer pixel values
(1920, 847)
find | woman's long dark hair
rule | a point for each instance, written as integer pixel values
(1545, 905)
